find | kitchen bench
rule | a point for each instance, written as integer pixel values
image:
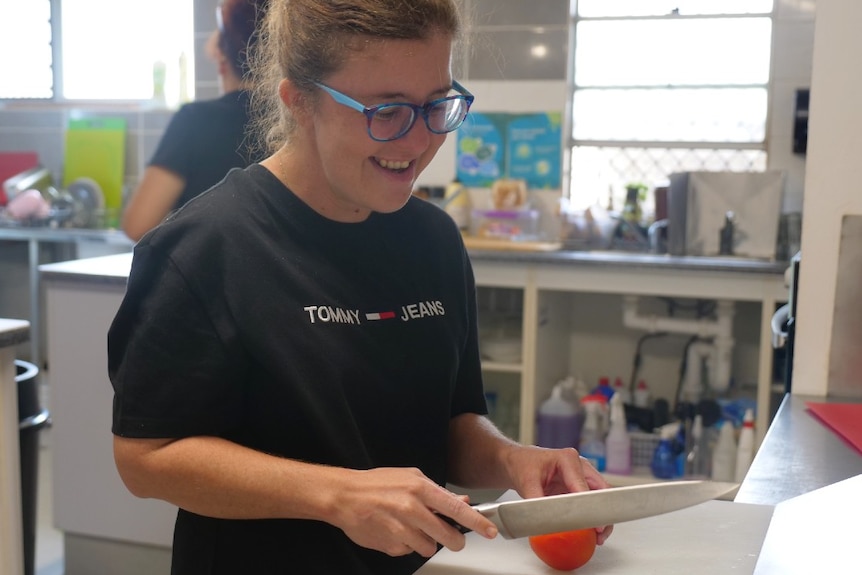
(108, 241)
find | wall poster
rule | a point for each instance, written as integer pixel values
(501, 145)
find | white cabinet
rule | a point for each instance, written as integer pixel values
(556, 300)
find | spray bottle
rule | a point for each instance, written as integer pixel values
(745, 448)
(724, 454)
(618, 445)
(592, 445)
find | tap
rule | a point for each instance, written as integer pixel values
(654, 235)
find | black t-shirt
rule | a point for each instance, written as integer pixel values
(204, 140)
(249, 316)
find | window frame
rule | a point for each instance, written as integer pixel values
(570, 143)
(58, 97)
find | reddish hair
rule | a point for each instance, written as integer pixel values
(238, 31)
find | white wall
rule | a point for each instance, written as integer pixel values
(792, 47)
(834, 170)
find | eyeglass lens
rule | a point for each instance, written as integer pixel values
(392, 121)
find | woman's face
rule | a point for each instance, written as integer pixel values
(358, 175)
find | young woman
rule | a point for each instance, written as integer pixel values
(206, 138)
(296, 362)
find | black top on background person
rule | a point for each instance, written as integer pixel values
(206, 138)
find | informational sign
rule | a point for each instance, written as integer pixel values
(520, 146)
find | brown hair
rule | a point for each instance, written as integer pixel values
(307, 40)
(238, 31)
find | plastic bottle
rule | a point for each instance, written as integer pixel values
(559, 421)
(724, 454)
(642, 395)
(592, 445)
(696, 460)
(160, 72)
(604, 387)
(725, 235)
(457, 203)
(664, 459)
(745, 448)
(623, 391)
(618, 445)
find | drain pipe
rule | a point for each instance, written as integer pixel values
(720, 331)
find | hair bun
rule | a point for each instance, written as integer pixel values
(237, 33)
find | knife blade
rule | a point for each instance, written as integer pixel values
(597, 508)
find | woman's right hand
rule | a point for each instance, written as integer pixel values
(398, 511)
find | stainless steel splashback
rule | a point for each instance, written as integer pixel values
(698, 203)
(845, 355)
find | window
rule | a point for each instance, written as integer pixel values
(25, 42)
(659, 86)
(95, 49)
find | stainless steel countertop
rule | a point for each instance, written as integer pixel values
(115, 267)
(799, 454)
(49, 234)
(112, 269)
(633, 260)
(13, 332)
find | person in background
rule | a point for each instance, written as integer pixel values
(295, 363)
(206, 138)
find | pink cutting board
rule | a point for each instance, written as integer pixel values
(713, 538)
(845, 419)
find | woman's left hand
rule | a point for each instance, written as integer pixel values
(539, 471)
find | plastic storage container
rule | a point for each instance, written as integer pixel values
(505, 224)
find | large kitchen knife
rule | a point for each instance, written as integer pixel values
(586, 509)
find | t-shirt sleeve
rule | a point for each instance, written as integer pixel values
(171, 372)
(175, 149)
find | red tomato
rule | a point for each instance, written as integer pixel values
(567, 550)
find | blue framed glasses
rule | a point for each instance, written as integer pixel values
(388, 122)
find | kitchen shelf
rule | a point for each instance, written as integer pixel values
(502, 367)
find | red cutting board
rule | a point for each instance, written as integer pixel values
(845, 419)
(12, 164)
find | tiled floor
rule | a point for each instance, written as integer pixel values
(49, 541)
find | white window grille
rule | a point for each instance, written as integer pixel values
(658, 86)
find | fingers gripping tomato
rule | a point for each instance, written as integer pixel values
(567, 550)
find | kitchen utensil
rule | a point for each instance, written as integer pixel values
(36, 178)
(88, 200)
(597, 508)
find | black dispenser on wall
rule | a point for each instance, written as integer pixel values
(800, 121)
